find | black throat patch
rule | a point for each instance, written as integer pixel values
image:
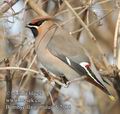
(34, 31)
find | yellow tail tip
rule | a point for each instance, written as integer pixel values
(112, 98)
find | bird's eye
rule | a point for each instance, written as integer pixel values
(37, 22)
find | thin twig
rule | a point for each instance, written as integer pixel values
(80, 20)
(5, 6)
(19, 68)
(103, 2)
(67, 21)
(27, 71)
(36, 8)
(89, 32)
(76, 80)
(65, 11)
(52, 101)
(116, 35)
(8, 87)
(97, 20)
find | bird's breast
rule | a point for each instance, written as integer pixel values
(55, 65)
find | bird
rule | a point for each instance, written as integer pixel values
(61, 54)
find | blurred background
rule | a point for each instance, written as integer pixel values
(17, 50)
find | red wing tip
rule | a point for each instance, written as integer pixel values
(88, 65)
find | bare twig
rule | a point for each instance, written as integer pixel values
(116, 35)
(8, 86)
(83, 10)
(116, 82)
(19, 68)
(27, 71)
(89, 32)
(54, 96)
(103, 2)
(36, 8)
(79, 30)
(80, 20)
(65, 11)
(6, 6)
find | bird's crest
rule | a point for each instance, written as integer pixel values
(41, 19)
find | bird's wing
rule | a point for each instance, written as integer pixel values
(67, 49)
(63, 43)
(71, 63)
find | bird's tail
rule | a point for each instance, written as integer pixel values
(101, 87)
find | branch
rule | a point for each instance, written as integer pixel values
(8, 88)
(97, 20)
(19, 68)
(117, 41)
(116, 35)
(90, 33)
(116, 82)
(48, 103)
(36, 8)
(7, 5)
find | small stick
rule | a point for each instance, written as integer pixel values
(19, 68)
(90, 33)
(8, 87)
(116, 35)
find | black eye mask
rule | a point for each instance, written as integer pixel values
(38, 23)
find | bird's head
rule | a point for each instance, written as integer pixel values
(35, 24)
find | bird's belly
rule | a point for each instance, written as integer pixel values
(56, 66)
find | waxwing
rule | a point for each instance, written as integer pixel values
(61, 54)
